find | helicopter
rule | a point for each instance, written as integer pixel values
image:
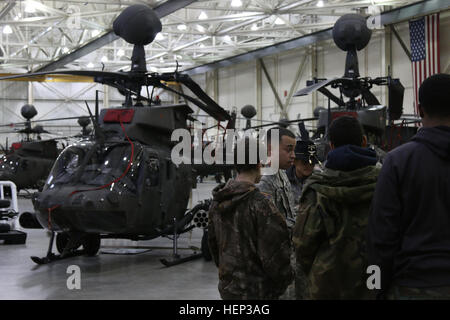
(28, 162)
(121, 182)
(351, 34)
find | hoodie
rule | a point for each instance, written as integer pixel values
(249, 241)
(329, 235)
(408, 236)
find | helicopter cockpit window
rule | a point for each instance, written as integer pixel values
(105, 165)
(66, 165)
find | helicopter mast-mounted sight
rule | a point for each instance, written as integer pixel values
(351, 34)
(137, 25)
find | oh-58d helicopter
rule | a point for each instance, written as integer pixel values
(28, 162)
(350, 33)
(122, 183)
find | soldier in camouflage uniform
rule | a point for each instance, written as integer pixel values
(277, 187)
(248, 239)
(305, 160)
(329, 235)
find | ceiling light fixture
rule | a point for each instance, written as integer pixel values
(159, 36)
(279, 21)
(95, 33)
(90, 65)
(120, 53)
(320, 3)
(7, 29)
(65, 50)
(200, 28)
(181, 27)
(254, 27)
(30, 7)
(104, 59)
(203, 16)
(236, 3)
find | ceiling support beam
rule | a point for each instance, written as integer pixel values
(272, 86)
(161, 10)
(389, 17)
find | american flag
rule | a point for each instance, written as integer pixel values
(424, 35)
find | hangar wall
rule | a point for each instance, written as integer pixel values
(237, 84)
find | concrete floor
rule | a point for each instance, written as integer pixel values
(109, 276)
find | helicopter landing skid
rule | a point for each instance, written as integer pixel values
(55, 257)
(178, 259)
(50, 257)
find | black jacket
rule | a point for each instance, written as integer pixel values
(409, 224)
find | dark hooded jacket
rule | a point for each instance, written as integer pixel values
(329, 235)
(249, 242)
(409, 226)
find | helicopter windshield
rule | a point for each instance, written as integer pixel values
(104, 165)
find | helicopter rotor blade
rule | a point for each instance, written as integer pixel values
(281, 123)
(369, 97)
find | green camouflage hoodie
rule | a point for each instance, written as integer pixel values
(249, 241)
(329, 235)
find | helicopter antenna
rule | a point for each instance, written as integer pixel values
(98, 132)
(96, 106)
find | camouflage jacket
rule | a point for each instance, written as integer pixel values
(329, 235)
(277, 187)
(249, 242)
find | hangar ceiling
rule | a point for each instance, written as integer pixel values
(35, 34)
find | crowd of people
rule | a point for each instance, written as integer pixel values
(304, 233)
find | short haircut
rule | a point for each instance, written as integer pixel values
(434, 95)
(346, 130)
(281, 132)
(247, 165)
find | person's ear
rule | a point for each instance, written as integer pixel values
(364, 141)
(421, 113)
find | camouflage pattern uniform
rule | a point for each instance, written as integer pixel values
(329, 235)
(249, 242)
(278, 188)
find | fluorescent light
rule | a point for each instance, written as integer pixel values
(181, 27)
(236, 3)
(90, 65)
(120, 52)
(95, 32)
(203, 16)
(159, 36)
(7, 29)
(200, 28)
(254, 27)
(227, 38)
(279, 21)
(320, 3)
(104, 59)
